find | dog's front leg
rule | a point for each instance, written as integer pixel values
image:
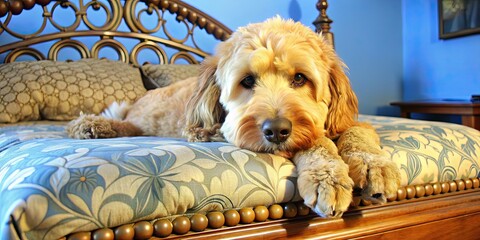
(323, 180)
(370, 167)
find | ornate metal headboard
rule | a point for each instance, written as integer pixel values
(122, 29)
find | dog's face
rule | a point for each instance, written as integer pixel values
(281, 86)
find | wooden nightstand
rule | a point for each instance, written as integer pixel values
(469, 111)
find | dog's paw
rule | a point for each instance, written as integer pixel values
(90, 127)
(326, 187)
(376, 175)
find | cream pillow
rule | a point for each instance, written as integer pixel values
(61, 90)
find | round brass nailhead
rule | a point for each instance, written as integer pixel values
(468, 183)
(232, 217)
(419, 191)
(181, 225)
(437, 188)
(428, 190)
(103, 234)
(453, 186)
(80, 236)
(290, 210)
(199, 222)
(215, 219)
(162, 228)
(460, 185)
(124, 232)
(276, 211)
(410, 192)
(445, 187)
(302, 209)
(392, 198)
(261, 213)
(476, 182)
(247, 215)
(143, 230)
(401, 193)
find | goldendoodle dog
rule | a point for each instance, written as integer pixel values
(274, 87)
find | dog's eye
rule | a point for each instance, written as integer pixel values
(298, 80)
(248, 82)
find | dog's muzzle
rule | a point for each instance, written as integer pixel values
(277, 130)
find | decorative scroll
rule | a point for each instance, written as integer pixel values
(128, 27)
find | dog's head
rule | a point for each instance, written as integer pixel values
(276, 87)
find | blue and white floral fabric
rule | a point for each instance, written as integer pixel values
(429, 152)
(51, 185)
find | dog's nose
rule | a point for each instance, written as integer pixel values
(277, 130)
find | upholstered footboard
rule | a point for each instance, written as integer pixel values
(430, 211)
(53, 186)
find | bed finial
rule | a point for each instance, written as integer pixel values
(322, 23)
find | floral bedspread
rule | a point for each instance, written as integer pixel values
(51, 185)
(429, 152)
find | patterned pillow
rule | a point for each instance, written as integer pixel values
(61, 90)
(155, 76)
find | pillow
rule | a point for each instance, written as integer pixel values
(156, 76)
(61, 90)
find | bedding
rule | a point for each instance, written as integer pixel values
(54, 187)
(51, 185)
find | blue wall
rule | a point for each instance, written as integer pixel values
(368, 37)
(392, 48)
(435, 68)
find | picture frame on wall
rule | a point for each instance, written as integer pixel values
(458, 18)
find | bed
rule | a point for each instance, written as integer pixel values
(54, 187)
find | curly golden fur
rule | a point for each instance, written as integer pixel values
(274, 87)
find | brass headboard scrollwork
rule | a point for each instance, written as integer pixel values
(123, 29)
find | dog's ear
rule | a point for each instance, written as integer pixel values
(204, 113)
(343, 109)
